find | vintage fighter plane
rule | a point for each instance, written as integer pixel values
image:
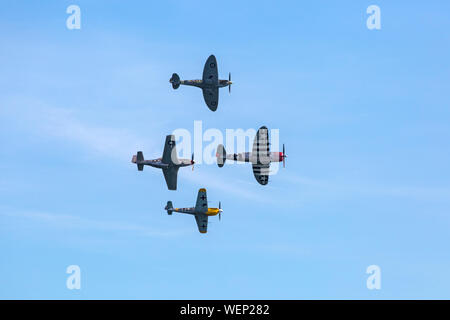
(169, 163)
(209, 84)
(260, 157)
(201, 211)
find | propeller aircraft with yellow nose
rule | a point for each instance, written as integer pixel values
(210, 83)
(201, 212)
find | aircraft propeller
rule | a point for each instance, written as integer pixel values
(192, 161)
(284, 157)
(220, 210)
(229, 82)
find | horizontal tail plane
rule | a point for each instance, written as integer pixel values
(169, 207)
(175, 81)
(138, 158)
(221, 155)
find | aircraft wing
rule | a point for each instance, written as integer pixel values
(202, 222)
(202, 201)
(260, 151)
(261, 156)
(170, 174)
(211, 96)
(261, 173)
(210, 73)
(170, 151)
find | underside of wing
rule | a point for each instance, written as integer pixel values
(202, 222)
(261, 156)
(261, 172)
(202, 201)
(211, 96)
(170, 151)
(261, 149)
(210, 73)
(170, 174)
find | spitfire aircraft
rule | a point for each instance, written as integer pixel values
(209, 84)
(260, 157)
(201, 211)
(169, 163)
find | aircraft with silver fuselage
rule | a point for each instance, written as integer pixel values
(260, 157)
(201, 212)
(169, 163)
(210, 83)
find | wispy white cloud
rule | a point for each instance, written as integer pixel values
(104, 141)
(76, 222)
(237, 188)
(355, 188)
(65, 125)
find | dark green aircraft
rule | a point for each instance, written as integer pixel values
(209, 84)
(169, 162)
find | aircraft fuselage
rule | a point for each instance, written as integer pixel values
(210, 212)
(251, 157)
(157, 163)
(206, 84)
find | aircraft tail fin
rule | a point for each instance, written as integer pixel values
(175, 81)
(169, 207)
(139, 157)
(221, 155)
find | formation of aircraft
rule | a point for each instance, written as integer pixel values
(260, 157)
(201, 212)
(210, 83)
(169, 163)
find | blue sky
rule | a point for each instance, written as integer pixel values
(364, 116)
